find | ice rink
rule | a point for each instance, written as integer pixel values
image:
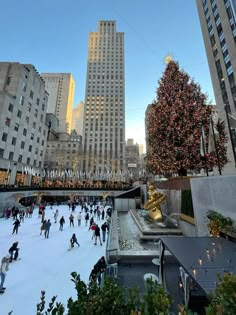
(45, 264)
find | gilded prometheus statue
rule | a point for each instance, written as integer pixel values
(153, 204)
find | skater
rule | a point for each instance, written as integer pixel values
(79, 217)
(47, 228)
(43, 226)
(103, 214)
(97, 235)
(22, 215)
(104, 228)
(73, 241)
(16, 226)
(3, 271)
(62, 221)
(43, 215)
(14, 250)
(56, 215)
(86, 219)
(93, 228)
(71, 218)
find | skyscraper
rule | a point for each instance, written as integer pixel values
(218, 23)
(60, 87)
(104, 114)
(77, 118)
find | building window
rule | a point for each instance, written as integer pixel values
(10, 107)
(28, 161)
(1, 153)
(22, 144)
(31, 94)
(24, 86)
(22, 99)
(19, 113)
(37, 101)
(36, 113)
(30, 148)
(20, 158)
(24, 132)
(4, 137)
(13, 141)
(17, 127)
(11, 154)
(8, 121)
(32, 136)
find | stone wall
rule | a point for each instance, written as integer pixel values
(216, 193)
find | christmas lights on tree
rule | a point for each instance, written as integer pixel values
(178, 123)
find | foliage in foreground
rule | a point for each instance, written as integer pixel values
(223, 300)
(109, 299)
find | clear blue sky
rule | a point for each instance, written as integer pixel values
(53, 35)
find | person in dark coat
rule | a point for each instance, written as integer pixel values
(16, 226)
(47, 228)
(14, 250)
(86, 219)
(62, 221)
(104, 228)
(73, 240)
(97, 235)
(71, 218)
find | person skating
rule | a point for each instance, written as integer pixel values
(79, 217)
(71, 218)
(97, 235)
(56, 213)
(93, 228)
(73, 241)
(14, 250)
(16, 226)
(47, 228)
(86, 219)
(3, 271)
(43, 226)
(104, 228)
(62, 221)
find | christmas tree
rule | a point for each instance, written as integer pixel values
(179, 127)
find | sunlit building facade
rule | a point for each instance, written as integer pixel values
(104, 110)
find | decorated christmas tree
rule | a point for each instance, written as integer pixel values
(181, 128)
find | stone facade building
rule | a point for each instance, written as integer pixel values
(218, 23)
(23, 132)
(60, 87)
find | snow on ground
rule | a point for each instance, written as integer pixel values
(45, 264)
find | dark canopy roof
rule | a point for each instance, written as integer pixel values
(132, 193)
(203, 257)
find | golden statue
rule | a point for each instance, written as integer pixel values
(153, 205)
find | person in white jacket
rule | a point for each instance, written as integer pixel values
(3, 271)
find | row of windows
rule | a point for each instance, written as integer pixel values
(5, 136)
(20, 158)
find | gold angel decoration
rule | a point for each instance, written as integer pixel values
(105, 195)
(153, 204)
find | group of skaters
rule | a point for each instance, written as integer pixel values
(90, 213)
(6, 260)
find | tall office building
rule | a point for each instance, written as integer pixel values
(104, 114)
(78, 118)
(23, 132)
(60, 87)
(218, 23)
